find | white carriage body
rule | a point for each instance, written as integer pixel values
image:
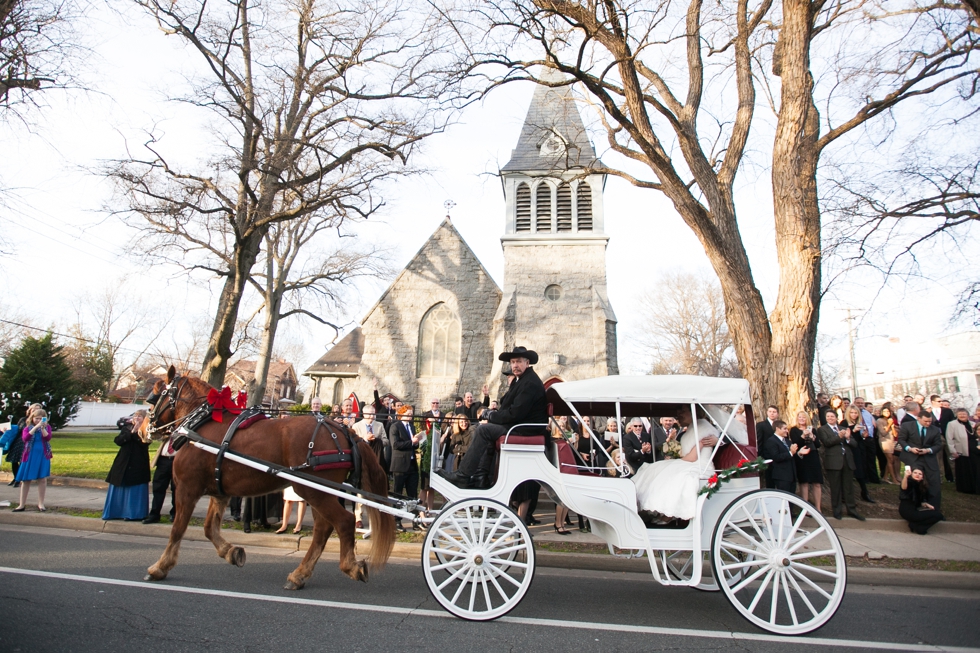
(760, 544)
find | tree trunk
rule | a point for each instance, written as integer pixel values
(797, 217)
(226, 318)
(273, 309)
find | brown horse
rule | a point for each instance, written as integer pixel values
(282, 442)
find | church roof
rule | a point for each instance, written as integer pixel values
(552, 114)
(418, 261)
(342, 358)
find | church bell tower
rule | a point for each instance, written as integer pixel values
(554, 293)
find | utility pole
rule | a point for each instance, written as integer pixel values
(850, 346)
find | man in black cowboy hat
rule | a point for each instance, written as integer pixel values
(524, 403)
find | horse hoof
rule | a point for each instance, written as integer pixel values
(290, 585)
(363, 569)
(238, 556)
(153, 576)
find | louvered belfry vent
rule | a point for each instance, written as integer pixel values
(523, 222)
(564, 207)
(543, 205)
(584, 201)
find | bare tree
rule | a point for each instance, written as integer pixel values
(676, 87)
(291, 286)
(827, 368)
(685, 329)
(313, 103)
(36, 45)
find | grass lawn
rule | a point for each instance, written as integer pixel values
(84, 455)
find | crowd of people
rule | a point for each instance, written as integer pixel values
(856, 442)
(849, 443)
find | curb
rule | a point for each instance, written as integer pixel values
(912, 578)
(895, 525)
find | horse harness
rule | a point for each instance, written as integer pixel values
(315, 460)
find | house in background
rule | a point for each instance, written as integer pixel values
(280, 387)
(889, 368)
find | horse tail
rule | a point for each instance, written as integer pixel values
(382, 524)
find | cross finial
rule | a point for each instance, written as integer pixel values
(449, 204)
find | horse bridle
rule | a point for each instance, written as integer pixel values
(171, 393)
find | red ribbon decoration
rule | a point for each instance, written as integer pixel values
(242, 399)
(220, 402)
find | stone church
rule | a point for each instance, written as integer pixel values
(437, 330)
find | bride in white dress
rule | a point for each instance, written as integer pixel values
(670, 487)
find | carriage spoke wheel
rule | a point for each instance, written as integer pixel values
(478, 559)
(779, 562)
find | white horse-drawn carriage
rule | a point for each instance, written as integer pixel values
(773, 555)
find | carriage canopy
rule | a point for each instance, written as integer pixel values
(641, 393)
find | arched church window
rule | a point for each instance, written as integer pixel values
(338, 393)
(439, 343)
(543, 205)
(564, 207)
(583, 201)
(523, 222)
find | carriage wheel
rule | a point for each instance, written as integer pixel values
(784, 573)
(478, 559)
(679, 564)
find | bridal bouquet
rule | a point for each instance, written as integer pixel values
(671, 449)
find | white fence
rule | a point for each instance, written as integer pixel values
(92, 413)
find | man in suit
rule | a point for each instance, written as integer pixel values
(524, 403)
(764, 431)
(782, 452)
(637, 444)
(404, 466)
(941, 417)
(373, 432)
(919, 442)
(912, 411)
(839, 465)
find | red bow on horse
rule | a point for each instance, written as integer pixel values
(220, 402)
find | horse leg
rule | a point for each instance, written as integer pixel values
(186, 500)
(343, 521)
(212, 529)
(321, 533)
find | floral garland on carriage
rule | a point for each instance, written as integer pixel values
(744, 466)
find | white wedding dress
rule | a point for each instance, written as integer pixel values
(670, 487)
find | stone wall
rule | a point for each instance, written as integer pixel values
(444, 270)
(575, 336)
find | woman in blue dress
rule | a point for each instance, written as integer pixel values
(36, 462)
(129, 478)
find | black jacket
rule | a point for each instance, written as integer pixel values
(402, 447)
(633, 448)
(763, 431)
(783, 466)
(909, 436)
(524, 403)
(132, 463)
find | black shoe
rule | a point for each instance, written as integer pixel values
(856, 515)
(531, 521)
(11, 483)
(867, 499)
(481, 482)
(837, 515)
(152, 519)
(459, 480)
(247, 528)
(236, 516)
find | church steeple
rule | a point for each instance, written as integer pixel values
(554, 295)
(553, 182)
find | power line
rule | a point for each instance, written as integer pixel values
(65, 335)
(64, 244)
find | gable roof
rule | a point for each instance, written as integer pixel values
(445, 224)
(245, 370)
(552, 112)
(343, 358)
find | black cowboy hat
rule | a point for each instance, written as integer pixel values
(520, 352)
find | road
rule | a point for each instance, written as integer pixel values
(77, 591)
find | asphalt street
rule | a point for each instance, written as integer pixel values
(80, 591)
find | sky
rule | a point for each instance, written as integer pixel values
(62, 244)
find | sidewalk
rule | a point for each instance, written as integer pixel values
(874, 537)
